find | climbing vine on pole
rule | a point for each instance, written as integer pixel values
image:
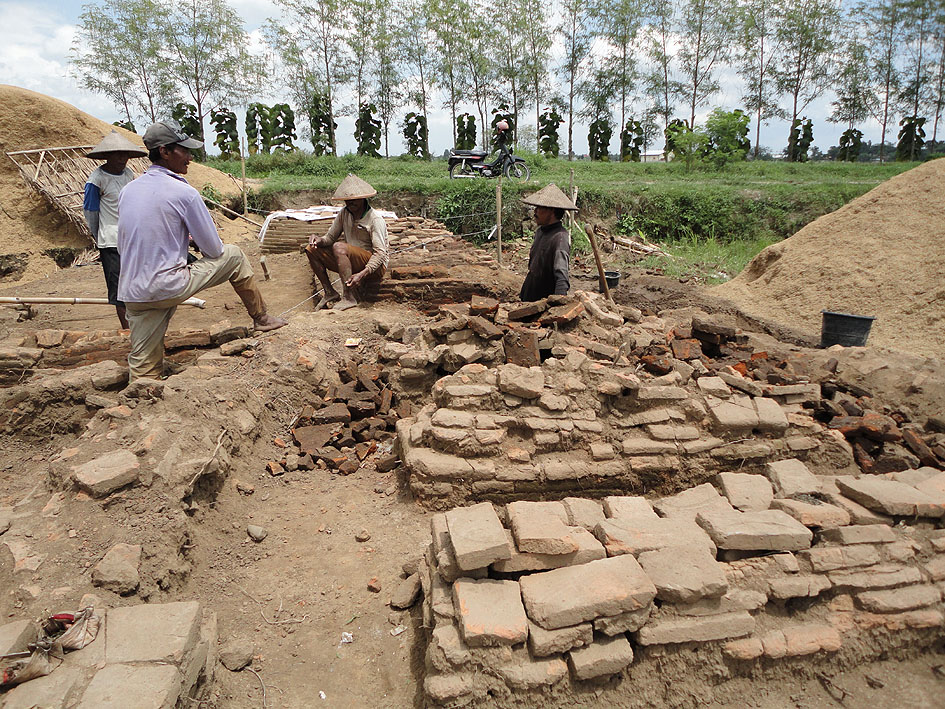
(321, 124)
(227, 139)
(631, 141)
(416, 135)
(465, 131)
(548, 124)
(367, 131)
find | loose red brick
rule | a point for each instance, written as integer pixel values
(527, 310)
(481, 305)
(920, 448)
(563, 313)
(686, 349)
(485, 329)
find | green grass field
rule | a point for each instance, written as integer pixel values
(712, 221)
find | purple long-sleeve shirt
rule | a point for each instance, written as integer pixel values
(157, 213)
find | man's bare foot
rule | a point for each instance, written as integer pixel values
(327, 299)
(269, 322)
(344, 304)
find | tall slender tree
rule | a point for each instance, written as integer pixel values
(757, 48)
(536, 43)
(705, 37)
(510, 63)
(576, 38)
(885, 18)
(450, 76)
(315, 61)
(938, 84)
(118, 52)
(808, 38)
(618, 23)
(362, 21)
(209, 55)
(479, 66)
(387, 68)
(415, 43)
(916, 93)
(661, 85)
(855, 100)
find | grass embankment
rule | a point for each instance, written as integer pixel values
(711, 221)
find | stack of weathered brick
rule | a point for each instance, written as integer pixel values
(72, 348)
(154, 656)
(542, 594)
(587, 417)
(340, 430)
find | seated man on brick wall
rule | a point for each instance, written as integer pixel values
(361, 257)
(550, 256)
(158, 214)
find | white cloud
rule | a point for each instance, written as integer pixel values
(36, 57)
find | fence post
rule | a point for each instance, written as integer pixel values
(243, 167)
(572, 196)
(498, 219)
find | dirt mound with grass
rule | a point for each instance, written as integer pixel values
(883, 254)
(29, 226)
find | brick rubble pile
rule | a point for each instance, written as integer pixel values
(577, 394)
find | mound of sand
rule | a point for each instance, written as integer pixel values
(28, 223)
(882, 254)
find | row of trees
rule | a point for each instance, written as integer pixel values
(627, 64)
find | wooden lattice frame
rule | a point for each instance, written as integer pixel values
(60, 174)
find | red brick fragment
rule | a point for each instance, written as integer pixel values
(521, 347)
(686, 349)
(915, 443)
(562, 313)
(480, 305)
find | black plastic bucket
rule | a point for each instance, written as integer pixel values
(612, 278)
(844, 329)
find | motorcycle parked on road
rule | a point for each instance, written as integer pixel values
(472, 163)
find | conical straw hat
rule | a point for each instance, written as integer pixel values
(550, 196)
(353, 187)
(114, 143)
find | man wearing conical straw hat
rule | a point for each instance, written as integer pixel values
(550, 256)
(361, 257)
(100, 206)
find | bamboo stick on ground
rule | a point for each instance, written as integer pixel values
(48, 300)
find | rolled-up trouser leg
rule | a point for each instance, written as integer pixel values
(232, 266)
(148, 325)
(148, 321)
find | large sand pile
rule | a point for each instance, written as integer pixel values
(28, 224)
(882, 254)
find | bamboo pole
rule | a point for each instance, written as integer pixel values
(243, 168)
(573, 195)
(605, 289)
(44, 300)
(498, 219)
(230, 211)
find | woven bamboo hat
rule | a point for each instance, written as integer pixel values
(550, 196)
(353, 187)
(114, 143)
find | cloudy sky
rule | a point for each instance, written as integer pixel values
(36, 56)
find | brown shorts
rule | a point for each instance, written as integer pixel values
(358, 257)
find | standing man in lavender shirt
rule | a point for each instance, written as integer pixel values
(157, 215)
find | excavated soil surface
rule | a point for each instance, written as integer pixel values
(882, 254)
(296, 593)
